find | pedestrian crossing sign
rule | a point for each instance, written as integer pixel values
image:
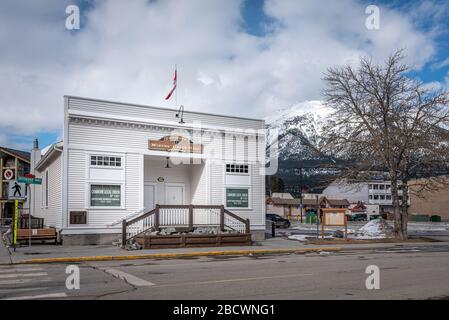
(16, 191)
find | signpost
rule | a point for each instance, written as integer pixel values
(16, 191)
(28, 180)
(8, 174)
(16, 218)
(334, 217)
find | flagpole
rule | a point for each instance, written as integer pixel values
(177, 88)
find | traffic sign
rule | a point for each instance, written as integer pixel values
(30, 180)
(16, 190)
(8, 174)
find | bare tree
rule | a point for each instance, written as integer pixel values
(384, 120)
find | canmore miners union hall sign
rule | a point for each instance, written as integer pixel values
(175, 144)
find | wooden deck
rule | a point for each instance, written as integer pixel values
(233, 230)
(193, 240)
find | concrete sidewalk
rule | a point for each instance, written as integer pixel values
(66, 254)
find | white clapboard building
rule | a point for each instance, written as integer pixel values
(118, 161)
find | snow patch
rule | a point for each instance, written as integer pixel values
(298, 237)
(375, 229)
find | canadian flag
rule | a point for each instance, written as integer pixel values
(174, 86)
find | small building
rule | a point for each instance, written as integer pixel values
(358, 207)
(285, 205)
(118, 161)
(326, 202)
(368, 209)
(370, 192)
(13, 164)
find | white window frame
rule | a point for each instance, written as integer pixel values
(250, 197)
(238, 173)
(106, 183)
(90, 155)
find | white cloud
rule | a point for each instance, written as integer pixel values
(126, 51)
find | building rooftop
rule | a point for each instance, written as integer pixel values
(23, 155)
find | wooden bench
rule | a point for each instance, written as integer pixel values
(37, 234)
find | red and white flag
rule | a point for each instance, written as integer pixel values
(174, 86)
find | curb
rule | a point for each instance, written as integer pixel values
(174, 255)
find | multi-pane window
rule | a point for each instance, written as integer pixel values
(105, 161)
(237, 168)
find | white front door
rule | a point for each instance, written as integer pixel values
(174, 194)
(150, 197)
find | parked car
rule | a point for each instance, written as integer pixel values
(358, 217)
(278, 220)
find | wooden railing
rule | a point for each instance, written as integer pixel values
(186, 216)
(36, 223)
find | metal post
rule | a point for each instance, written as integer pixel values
(16, 218)
(346, 228)
(300, 193)
(317, 208)
(322, 229)
(29, 213)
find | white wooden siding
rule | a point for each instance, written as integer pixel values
(200, 184)
(205, 183)
(154, 113)
(216, 146)
(53, 211)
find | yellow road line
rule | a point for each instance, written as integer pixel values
(174, 255)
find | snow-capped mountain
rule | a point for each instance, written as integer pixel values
(299, 131)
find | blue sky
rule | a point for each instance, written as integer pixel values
(245, 57)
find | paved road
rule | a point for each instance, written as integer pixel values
(406, 273)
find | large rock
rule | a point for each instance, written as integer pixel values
(338, 234)
(205, 230)
(168, 231)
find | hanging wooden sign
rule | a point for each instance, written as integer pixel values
(175, 144)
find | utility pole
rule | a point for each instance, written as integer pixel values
(300, 193)
(317, 209)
